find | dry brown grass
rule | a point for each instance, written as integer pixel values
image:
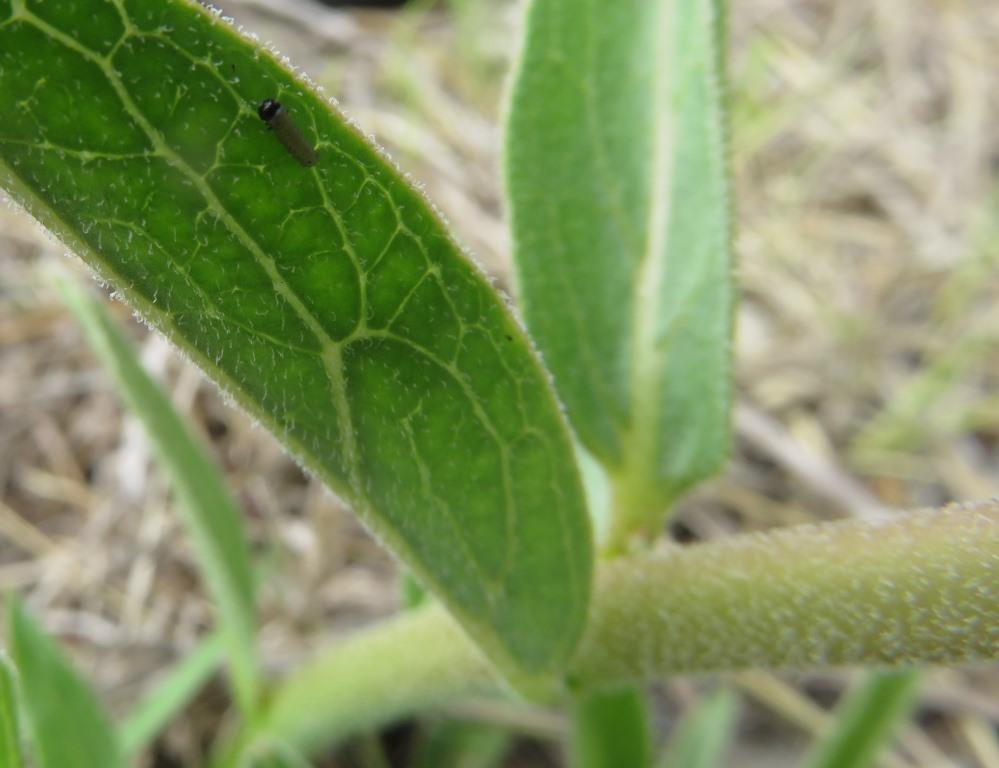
(866, 155)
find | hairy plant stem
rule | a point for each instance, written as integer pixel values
(921, 588)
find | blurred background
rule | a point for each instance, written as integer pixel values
(866, 162)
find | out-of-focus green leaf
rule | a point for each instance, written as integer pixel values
(329, 301)
(611, 729)
(456, 744)
(274, 756)
(411, 592)
(10, 732)
(867, 720)
(701, 737)
(209, 512)
(616, 172)
(69, 726)
(178, 686)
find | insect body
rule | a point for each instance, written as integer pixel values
(276, 116)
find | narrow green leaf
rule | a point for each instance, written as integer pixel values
(611, 728)
(616, 173)
(169, 696)
(10, 732)
(69, 726)
(867, 720)
(328, 300)
(211, 516)
(701, 737)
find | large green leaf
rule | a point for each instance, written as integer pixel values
(69, 726)
(209, 512)
(328, 300)
(616, 173)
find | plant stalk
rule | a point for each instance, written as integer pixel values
(921, 588)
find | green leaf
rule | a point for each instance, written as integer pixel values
(611, 728)
(411, 592)
(169, 696)
(10, 732)
(209, 512)
(457, 744)
(616, 173)
(274, 755)
(867, 720)
(329, 301)
(701, 737)
(68, 723)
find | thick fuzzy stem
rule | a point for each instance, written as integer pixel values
(921, 588)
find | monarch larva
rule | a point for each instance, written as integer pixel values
(276, 116)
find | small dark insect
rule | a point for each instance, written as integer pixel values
(276, 116)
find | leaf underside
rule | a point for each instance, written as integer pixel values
(329, 301)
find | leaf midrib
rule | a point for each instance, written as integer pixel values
(647, 363)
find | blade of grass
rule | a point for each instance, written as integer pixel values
(68, 724)
(701, 737)
(10, 732)
(168, 696)
(209, 513)
(867, 720)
